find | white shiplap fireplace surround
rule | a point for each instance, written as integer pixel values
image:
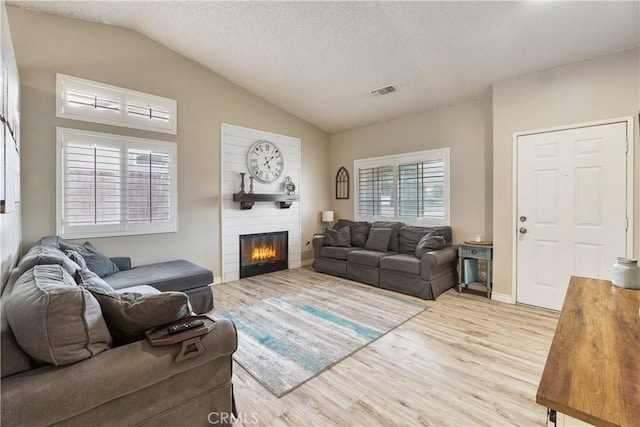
(264, 217)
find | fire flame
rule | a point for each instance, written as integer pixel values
(263, 252)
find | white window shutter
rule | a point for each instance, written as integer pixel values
(113, 185)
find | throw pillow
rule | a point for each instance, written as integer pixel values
(53, 319)
(395, 230)
(90, 280)
(430, 242)
(378, 239)
(128, 315)
(409, 238)
(341, 237)
(77, 258)
(359, 233)
(96, 261)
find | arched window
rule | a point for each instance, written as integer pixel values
(342, 184)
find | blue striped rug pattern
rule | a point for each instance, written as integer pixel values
(288, 339)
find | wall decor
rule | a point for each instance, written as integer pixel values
(289, 186)
(342, 184)
(265, 161)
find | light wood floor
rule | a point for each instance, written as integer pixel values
(465, 361)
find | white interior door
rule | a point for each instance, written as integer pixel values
(572, 208)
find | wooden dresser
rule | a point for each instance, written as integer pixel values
(593, 368)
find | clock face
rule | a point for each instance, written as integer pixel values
(265, 161)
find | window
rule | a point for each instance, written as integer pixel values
(110, 185)
(412, 188)
(96, 102)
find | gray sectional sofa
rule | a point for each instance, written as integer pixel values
(176, 275)
(61, 363)
(405, 264)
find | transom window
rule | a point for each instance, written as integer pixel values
(411, 187)
(96, 102)
(110, 185)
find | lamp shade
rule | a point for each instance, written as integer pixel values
(327, 216)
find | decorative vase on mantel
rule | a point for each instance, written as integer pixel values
(242, 174)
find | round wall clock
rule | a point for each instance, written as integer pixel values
(265, 161)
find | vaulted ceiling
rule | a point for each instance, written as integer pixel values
(320, 60)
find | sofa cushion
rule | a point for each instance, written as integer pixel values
(430, 242)
(46, 255)
(364, 257)
(444, 231)
(95, 260)
(404, 263)
(336, 252)
(359, 231)
(77, 258)
(177, 275)
(54, 320)
(409, 238)
(129, 314)
(378, 239)
(339, 237)
(14, 360)
(395, 230)
(51, 241)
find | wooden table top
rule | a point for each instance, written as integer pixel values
(593, 368)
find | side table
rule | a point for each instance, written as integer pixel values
(469, 255)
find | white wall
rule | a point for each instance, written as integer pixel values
(46, 44)
(264, 217)
(464, 127)
(10, 223)
(600, 88)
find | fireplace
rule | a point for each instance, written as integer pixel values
(263, 253)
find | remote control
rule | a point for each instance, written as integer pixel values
(184, 326)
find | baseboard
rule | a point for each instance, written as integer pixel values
(307, 262)
(502, 298)
(217, 280)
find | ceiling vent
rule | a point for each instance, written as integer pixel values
(382, 91)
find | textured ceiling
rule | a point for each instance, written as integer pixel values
(319, 60)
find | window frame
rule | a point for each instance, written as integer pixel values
(123, 228)
(121, 117)
(395, 160)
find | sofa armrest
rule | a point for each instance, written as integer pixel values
(122, 262)
(42, 396)
(436, 261)
(318, 243)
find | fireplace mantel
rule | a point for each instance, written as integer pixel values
(247, 200)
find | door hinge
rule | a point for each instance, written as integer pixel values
(627, 147)
(626, 226)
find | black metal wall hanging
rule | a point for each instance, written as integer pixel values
(342, 184)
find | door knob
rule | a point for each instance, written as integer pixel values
(523, 230)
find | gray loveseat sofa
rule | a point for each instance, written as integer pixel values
(130, 384)
(397, 267)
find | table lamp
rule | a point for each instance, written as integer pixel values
(327, 218)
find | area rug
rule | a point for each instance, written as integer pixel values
(288, 339)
